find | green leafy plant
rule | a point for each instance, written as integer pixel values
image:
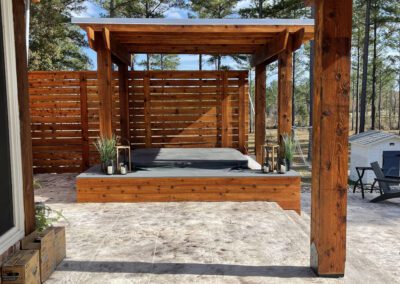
(289, 147)
(36, 184)
(46, 217)
(106, 148)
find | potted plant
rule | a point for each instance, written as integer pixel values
(107, 151)
(289, 149)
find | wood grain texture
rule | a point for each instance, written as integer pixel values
(283, 190)
(84, 122)
(260, 106)
(285, 83)
(330, 139)
(24, 114)
(105, 88)
(169, 109)
(124, 102)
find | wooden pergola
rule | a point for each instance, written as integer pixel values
(267, 40)
(115, 40)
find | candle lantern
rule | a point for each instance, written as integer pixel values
(271, 152)
(124, 158)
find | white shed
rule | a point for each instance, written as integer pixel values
(371, 146)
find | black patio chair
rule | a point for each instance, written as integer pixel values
(386, 184)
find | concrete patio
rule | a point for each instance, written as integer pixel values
(253, 242)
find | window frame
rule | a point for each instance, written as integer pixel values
(17, 232)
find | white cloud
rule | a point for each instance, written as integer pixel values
(243, 4)
(176, 13)
(92, 11)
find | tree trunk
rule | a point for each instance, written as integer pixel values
(162, 61)
(352, 105)
(365, 67)
(399, 105)
(380, 101)
(200, 62)
(373, 109)
(112, 9)
(358, 79)
(310, 120)
(148, 62)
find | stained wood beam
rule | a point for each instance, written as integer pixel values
(105, 90)
(330, 139)
(124, 102)
(24, 115)
(90, 37)
(285, 83)
(296, 40)
(120, 53)
(271, 49)
(192, 49)
(260, 101)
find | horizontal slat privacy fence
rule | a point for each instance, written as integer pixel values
(166, 109)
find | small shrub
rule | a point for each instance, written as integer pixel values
(46, 217)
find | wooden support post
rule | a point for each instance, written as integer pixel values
(226, 113)
(243, 109)
(330, 141)
(260, 101)
(105, 90)
(24, 114)
(124, 102)
(285, 83)
(147, 113)
(84, 121)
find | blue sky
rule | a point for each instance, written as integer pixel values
(187, 62)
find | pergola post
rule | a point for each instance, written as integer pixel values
(124, 102)
(104, 78)
(330, 139)
(260, 105)
(285, 94)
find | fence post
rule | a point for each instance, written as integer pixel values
(226, 112)
(242, 114)
(84, 120)
(147, 113)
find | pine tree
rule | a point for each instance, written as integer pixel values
(215, 9)
(54, 43)
(143, 9)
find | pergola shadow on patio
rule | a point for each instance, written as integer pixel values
(267, 40)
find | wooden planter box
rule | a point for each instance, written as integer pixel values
(59, 244)
(22, 267)
(45, 244)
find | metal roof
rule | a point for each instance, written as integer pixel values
(189, 22)
(371, 136)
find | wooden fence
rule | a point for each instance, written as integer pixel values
(166, 109)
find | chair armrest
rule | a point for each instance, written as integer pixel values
(392, 177)
(388, 180)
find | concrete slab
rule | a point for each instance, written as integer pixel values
(227, 242)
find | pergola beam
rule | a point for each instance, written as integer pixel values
(91, 37)
(260, 100)
(124, 102)
(104, 78)
(120, 53)
(198, 29)
(330, 139)
(285, 83)
(271, 49)
(192, 49)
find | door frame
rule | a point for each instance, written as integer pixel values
(17, 232)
